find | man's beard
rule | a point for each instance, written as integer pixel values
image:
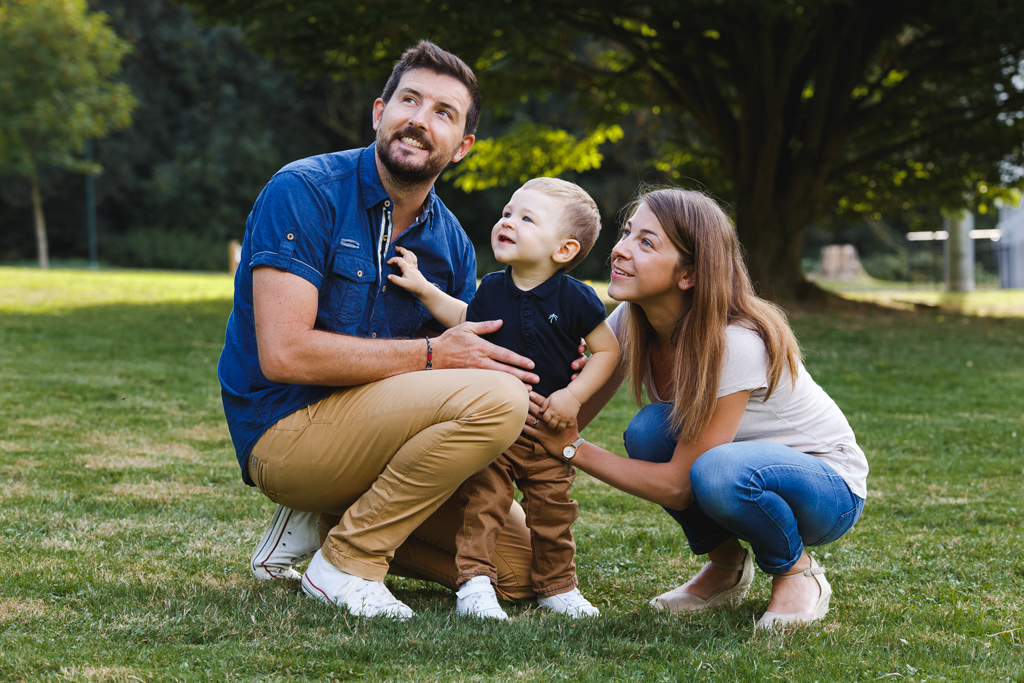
(402, 171)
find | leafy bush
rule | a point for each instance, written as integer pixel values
(172, 251)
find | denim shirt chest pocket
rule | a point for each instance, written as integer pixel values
(406, 315)
(350, 287)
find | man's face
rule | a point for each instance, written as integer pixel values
(421, 128)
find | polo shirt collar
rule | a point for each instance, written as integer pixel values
(541, 291)
(373, 192)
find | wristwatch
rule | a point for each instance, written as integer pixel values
(569, 452)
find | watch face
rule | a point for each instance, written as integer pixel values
(568, 452)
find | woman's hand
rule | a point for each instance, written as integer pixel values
(552, 440)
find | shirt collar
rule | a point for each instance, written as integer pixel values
(373, 192)
(541, 291)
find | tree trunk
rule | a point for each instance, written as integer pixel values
(959, 252)
(773, 255)
(37, 213)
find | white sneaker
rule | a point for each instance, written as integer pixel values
(476, 598)
(572, 603)
(362, 598)
(292, 537)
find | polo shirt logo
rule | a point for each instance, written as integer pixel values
(553, 318)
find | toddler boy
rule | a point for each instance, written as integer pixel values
(548, 226)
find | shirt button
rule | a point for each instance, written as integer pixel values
(290, 236)
(387, 203)
(373, 336)
(384, 288)
(359, 273)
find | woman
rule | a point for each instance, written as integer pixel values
(737, 442)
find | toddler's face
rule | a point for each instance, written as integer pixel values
(530, 229)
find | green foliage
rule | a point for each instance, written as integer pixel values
(215, 123)
(530, 150)
(788, 111)
(127, 531)
(58, 62)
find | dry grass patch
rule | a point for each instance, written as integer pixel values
(131, 451)
(207, 433)
(161, 491)
(107, 674)
(19, 610)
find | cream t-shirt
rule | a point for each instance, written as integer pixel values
(801, 416)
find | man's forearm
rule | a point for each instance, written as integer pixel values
(329, 359)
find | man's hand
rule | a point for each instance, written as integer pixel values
(462, 347)
(580, 362)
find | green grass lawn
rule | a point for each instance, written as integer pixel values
(126, 529)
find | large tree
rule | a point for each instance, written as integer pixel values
(788, 109)
(58, 62)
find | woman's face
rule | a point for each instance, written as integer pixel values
(645, 264)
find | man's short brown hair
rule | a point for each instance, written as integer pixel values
(426, 55)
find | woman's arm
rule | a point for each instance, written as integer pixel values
(666, 484)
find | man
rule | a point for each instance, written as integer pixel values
(334, 401)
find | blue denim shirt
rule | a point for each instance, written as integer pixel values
(321, 218)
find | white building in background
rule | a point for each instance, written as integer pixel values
(1010, 247)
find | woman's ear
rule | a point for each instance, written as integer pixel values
(687, 279)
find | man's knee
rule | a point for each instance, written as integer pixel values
(503, 396)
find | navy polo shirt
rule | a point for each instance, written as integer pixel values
(545, 324)
(321, 219)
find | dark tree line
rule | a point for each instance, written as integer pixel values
(792, 113)
(213, 122)
(792, 110)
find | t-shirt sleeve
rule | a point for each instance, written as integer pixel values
(290, 228)
(478, 304)
(617, 320)
(745, 365)
(588, 310)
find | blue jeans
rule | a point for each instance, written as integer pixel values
(773, 497)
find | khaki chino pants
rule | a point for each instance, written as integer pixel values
(383, 457)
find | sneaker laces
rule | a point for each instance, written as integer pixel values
(572, 603)
(477, 599)
(574, 600)
(373, 598)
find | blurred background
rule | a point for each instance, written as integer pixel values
(138, 133)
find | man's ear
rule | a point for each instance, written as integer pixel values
(464, 147)
(566, 252)
(378, 112)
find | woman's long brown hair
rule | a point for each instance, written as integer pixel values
(722, 295)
